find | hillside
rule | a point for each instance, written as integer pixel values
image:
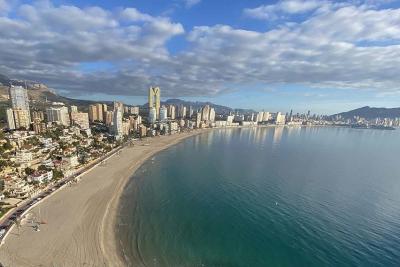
(371, 113)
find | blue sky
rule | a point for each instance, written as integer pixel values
(318, 55)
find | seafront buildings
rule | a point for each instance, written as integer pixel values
(154, 99)
(41, 146)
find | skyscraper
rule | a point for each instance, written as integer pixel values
(100, 113)
(19, 97)
(92, 113)
(117, 127)
(119, 105)
(163, 113)
(182, 111)
(154, 100)
(171, 112)
(20, 101)
(152, 115)
(22, 118)
(212, 115)
(190, 112)
(205, 113)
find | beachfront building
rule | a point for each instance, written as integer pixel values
(117, 127)
(40, 177)
(152, 115)
(154, 100)
(212, 115)
(205, 113)
(182, 112)
(280, 118)
(171, 112)
(163, 113)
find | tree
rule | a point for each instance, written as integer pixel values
(43, 168)
(7, 146)
(57, 174)
(29, 171)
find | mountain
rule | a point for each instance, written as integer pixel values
(4, 80)
(371, 113)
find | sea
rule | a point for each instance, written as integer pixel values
(266, 196)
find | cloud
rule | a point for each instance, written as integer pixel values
(283, 7)
(351, 46)
(191, 3)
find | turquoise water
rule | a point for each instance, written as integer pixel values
(267, 197)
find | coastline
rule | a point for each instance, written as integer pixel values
(111, 215)
(81, 219)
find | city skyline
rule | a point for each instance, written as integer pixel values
(306, 56)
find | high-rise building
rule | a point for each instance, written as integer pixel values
(163, 113)
(10, 119)
(152, 115)
(74, 109)
(182, 111)
(58, 115)
(20, 107)
(117, 127)
(109, 118)
(280, 118)
(93, 113)
(266, 116)
(190, 112)
(119, 105)
(139, 119)
(154, 100)
(105, 108)
(171, 112)
(198, 119)
(37, 116)
(205, 113)
(21, 118)
(19, 97)
(99, 110)
(80, 119)
(212, 115)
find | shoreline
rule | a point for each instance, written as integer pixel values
(110, 218)
(90, 237)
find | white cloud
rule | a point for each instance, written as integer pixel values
(283, 7)
(191, 3)
(346, 46)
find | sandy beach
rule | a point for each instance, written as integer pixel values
(81, 218)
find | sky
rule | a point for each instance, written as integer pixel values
(318, 55)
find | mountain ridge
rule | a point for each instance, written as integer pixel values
(368, 112)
